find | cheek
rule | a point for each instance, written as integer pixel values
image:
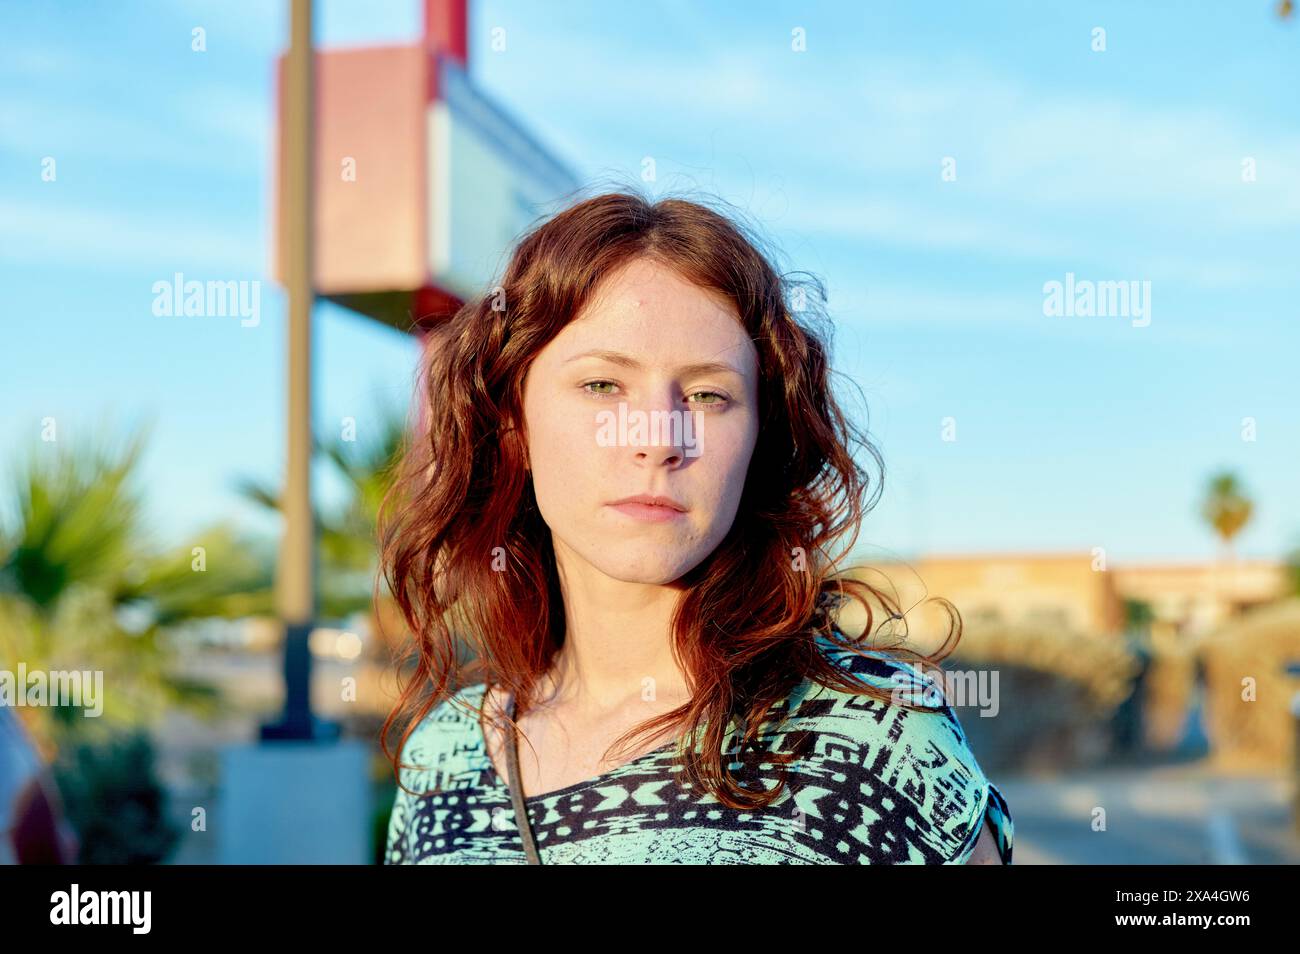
(735, 445)
(562, 450)
(725, 462)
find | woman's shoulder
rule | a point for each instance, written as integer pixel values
(446, 743)
(879, 667)
(920, 758)
(441, 752)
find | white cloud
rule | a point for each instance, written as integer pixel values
(1044, 174)
(894, 221)
(232, 132)
(41, 234)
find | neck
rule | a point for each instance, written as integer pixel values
(617, 645)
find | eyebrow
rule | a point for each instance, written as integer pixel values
(627, 361)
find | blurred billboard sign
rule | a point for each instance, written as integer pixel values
(422, 184)
(489, 180)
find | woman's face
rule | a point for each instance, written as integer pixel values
(686, 374)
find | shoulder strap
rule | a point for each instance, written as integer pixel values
(516, 794)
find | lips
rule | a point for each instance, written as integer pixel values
(647, 508)
(651, 500)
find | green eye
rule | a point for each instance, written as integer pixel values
(721, 398)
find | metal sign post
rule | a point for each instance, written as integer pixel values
(296, 577)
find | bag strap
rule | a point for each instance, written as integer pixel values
(516, 794)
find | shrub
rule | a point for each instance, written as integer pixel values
(115, 802)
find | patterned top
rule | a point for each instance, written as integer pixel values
(874, 783)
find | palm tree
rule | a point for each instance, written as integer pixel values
(82, 587)
(349, 559)
(1293, 570)
(1227, 509)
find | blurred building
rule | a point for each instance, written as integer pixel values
(1197, 597)
(1069, 591)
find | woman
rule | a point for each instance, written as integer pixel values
(630, 468)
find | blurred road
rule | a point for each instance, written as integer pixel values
(1172, 814)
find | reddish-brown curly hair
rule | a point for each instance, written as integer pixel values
(462, 489)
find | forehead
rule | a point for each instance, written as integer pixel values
(652, 309)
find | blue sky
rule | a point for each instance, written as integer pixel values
(1072, 432)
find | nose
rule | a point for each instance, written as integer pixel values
(668, 427)
(662, 454)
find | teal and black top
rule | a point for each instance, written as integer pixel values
(874, 782)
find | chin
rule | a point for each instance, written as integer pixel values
(655, 567)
